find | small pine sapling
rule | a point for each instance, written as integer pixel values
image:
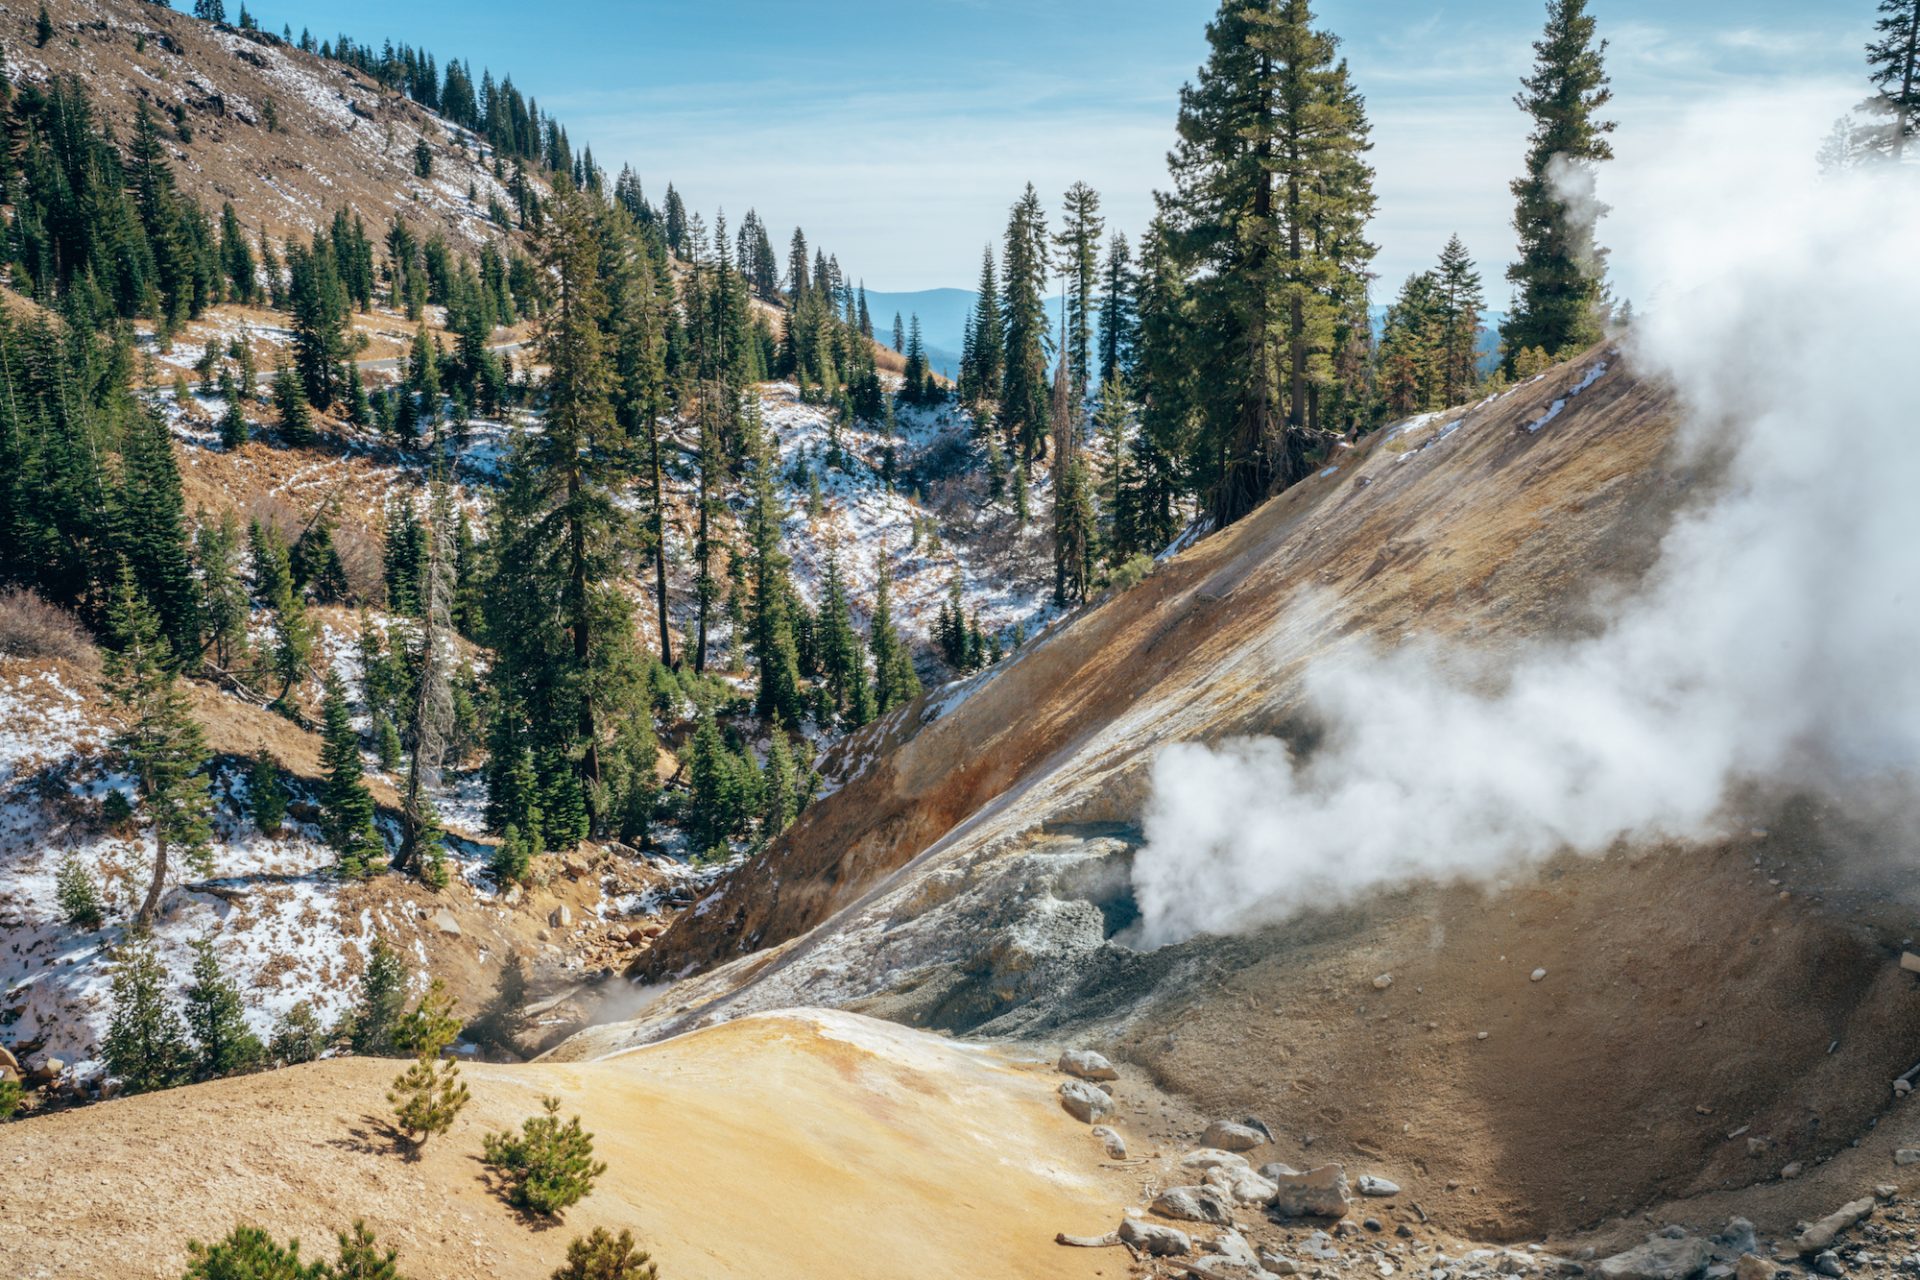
(79, 898)
(547, 1166)
(297, 1036)
(426, 1097)
(10, 1094)
(604, 1256)
(267, 794)
(248, 1253)
(362, 1258)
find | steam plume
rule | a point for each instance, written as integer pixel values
(1776, 642)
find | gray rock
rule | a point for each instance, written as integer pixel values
(513, 895)
(1111, 1142)
(1242, 1185)
(1885, 1190)
(1907, 1155)
(1820, 1236)
(1317, 1193)
(1276, 1262)
(1228, 1135)
(1793, 1170)
(1660, 1258)
(1195, 1204)
(562, 917)
(1320, 1247)
(1368, 1185)
(1084, 1102)
(1213, 1158)
(443, 921)
(1155, 1240)
(1828, 1264)
(48, 1068)
(1087, 1065)
(1736, 1238)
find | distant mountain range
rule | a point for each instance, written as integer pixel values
(943, 319)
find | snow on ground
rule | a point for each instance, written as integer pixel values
(280, 937)
(1006, 579)
(1591, 376)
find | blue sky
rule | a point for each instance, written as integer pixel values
(897, 134)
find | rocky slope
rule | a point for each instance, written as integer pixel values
(972, 872)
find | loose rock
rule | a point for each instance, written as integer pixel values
(1752, 1267)
(1111, 1142)
(1660, 1258)
(1368, 1185)
(1155, 1240)
(1317, 1193)
(1907, 1155)
(1084, 1102)
(562, 917)
(1382, 982)
(1828, 1264)
(1195, 1204)
(1821, 1235)
(1213, 1158)
(1241, 1185)
(1087, 1065)
(1229, 1136)
(1793, 1170)
(443, 921)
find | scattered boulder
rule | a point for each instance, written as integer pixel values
(1084, 1102)
(1241, 1185)
(513, 895)
(1153, 1239)
(1736, 1238)
(48, 1069)
(1828, 1264)
(1907, 1155)
(1317, 1193)
(1885, 1190)
(1369, 1185)
(1277, 1263)
(1382, 982)
(1195, 1204)
(1660, 1258)
(562, 917)
(9, 1065)
(1821, 1235)
(443, 921)
(1228, 1135)
(1111, 1142)
(1320, 1247)
(1752, 1267)
(1792, 1170)
(1087, 1065)
(1213, 1158)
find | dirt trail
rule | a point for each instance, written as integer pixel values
(798, 1144)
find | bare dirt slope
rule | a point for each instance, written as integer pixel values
(804, 1144)
(973, 871)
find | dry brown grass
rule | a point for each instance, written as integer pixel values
(32, 628)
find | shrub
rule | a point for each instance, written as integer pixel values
(32, 628)
(601, 1256)
(1131, 572)
(146, 1044)
(361, 1257)
(383, 998)
(548, 1165)
(267, 794)
(297, 1036)
(10, 1093)
(430, 1027)
(426, 1097)
(248, 1253)
(79, 897)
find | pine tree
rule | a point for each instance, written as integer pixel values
(79, 897)
(233, 423)
(547, 1166)
(158, 741)
(1560, 271)
(1023, 401)
(776, 785)
(1894, 62)
(894, 679)
(604, 1256)
(361, 1257)
(1460, 302)
(899, 334)
(297, 1036)
(1272, 194)
(223, 1043)
(842, 659)
(146, 1043)
(426, 1098)
(153, 534)
(346, 806)
(771, 639)
(430, 715)
(42, 29)
(988, 343)
(1117, 319)
(506, 1013)
(248, 1253)
(716, 800)
(382, 1002)
(1078, 249)
(290, 400)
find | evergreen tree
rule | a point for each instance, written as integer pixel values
(1272, 194)
(158, 741)
(153, 534)
(1460, 301)
(1561, 269)
(430, 715)
(426, 1098)
(248, 1253)
(223, 1044)
(266, 793)
(1023, 400)
(146, 1042)
(42, 29)
(899, 334)
(717, 800)
(362, 1258)
(346, 806)
(79, 897)
(547, 1166)
(1078, 249)
(1117, 320)
(382, 1002)
(604, 1256)
(842, 659)
(986, 342)
(771, 638)
(1894, 61)
(512, 860)
(297, 1036)
(777, 801)
(894, 679)
(216, 554)
(290, 400)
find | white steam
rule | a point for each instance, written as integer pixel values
(1776, 642)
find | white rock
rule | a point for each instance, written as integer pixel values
(1536, 975)
(1087, 1065)
(1368, 1185)
(1382, 982)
